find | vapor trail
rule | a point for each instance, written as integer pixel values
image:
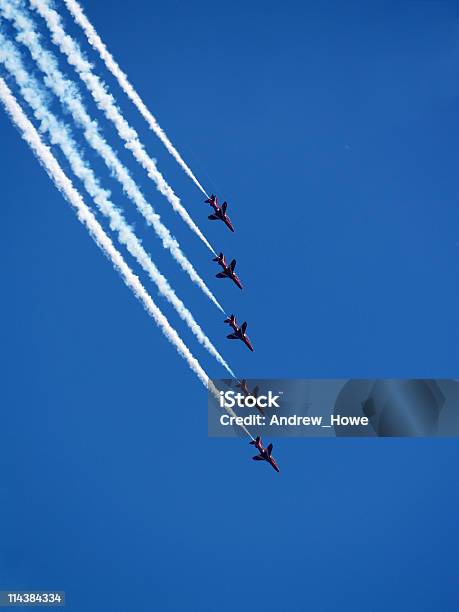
(70, 98)
(111, 64)
(85, 216)
(70, 48)
(65, 186)
(60, 135)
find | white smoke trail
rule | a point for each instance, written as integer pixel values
(60, 135)
(65, 186)
(70, 48)
(111, 64)
(71, 100)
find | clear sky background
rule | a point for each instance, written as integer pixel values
(333, 131)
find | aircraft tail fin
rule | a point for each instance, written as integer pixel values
(256, 441)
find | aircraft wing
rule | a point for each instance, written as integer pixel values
(269, 448)
(232, 265)
(232, 337)
(220, 275)
(244, 327)
(224, 207)
(258, 458)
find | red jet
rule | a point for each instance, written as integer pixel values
(228, 270)
(245, 390)
(220, 212)
(265, 453)
(239, 332)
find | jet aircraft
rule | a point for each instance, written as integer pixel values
(219, 212)
(245, 390)
(239, 332)
(265, 453)
(228, 270)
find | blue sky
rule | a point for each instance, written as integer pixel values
(332, 130)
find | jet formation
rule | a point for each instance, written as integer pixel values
(239, 332)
